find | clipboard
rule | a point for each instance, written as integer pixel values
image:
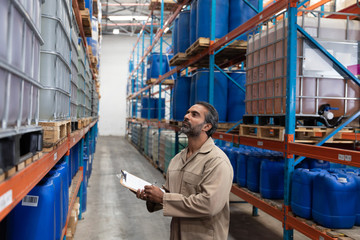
(132, 182)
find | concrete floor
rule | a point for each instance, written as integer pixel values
(114, 212)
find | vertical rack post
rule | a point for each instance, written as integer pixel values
(211, 55)
(290, 119)
(143, 63)
(137, 74)
(161, 58)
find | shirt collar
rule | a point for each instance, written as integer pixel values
(205, 148)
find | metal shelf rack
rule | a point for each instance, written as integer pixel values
(14, 189)
(288, 147)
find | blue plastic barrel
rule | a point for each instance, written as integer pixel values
(233, 154)
(357, 213)
(148, 103)
(242, 167)
(85, 184)
(184, 31)
(63, 170)
(174, 36)
(302, 191)
(236, 97)
(154, 65)
(157, 106)
(35, 214)
(181, 97)
(56, 178)
(334, 200)
(193, 12)
(240, 12)
(220, 91)
(315, 163)
(203, 21)
(192, 90)
(272, 179)
(253, 171)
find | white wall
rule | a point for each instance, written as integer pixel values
(115, 52)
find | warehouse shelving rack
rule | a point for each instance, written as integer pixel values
(288, 146)
(16, 187)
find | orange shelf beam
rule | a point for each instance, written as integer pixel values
(305, 229)
(336, 155)
(15, 188)
(79, 177)
(272, 211)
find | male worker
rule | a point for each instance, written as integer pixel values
(198, 182)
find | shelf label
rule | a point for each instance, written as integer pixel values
(321, 238)
(55, 156)
(30, 201)
(73, 140)
(343, 157)
(6, 199)
(260, 143)
(221, 136)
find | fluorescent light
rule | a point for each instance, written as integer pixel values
(128, 18)
(116, 31)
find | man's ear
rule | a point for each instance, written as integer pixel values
(207, 127)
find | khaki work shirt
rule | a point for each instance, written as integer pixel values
(198, 194)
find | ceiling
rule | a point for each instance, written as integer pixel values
(126, 17)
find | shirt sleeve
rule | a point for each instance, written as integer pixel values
(153, 207)
(215, 188)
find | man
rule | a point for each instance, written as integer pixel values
(198, 182)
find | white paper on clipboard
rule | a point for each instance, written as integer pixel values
(132, 182)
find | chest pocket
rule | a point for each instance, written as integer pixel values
(190, 184)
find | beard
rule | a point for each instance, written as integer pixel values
(191, 131)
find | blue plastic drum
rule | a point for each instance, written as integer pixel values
(220, 97)
(35, 214)
(184, 31)
(203, 21)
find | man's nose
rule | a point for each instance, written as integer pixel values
(186, 117)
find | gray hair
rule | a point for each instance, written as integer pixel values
(211, 117)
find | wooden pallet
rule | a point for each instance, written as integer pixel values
(302, 134)
(84, 122)
(55, 131)
(315, 134)
(224, 127)
(12, 171)
(54, 146)
(179, 59)
(169, 5)
(94, 61)
(263, 132)
(235, 50)
(86, 22)
(165, 82)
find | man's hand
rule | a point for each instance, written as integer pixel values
(141, 194)
(154, 194)
(151, 193)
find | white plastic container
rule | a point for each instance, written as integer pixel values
(19, 62)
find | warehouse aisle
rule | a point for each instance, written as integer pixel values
(113, 212)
